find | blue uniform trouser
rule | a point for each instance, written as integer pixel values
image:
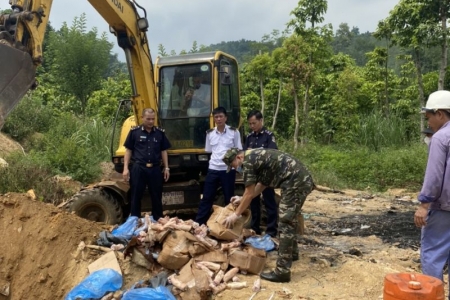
(212, 181)
(435, 243)
(271, 210)
(140, 178)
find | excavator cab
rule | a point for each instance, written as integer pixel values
(189, 87)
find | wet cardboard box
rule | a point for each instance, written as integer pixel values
(248, 259)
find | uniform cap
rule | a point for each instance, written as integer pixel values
(437, 100)
(229, 157)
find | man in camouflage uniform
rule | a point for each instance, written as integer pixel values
(272, 168)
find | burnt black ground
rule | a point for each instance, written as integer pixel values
(394, 226)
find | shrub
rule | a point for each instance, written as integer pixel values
(27, 172)
(28, 117)
(358, 167)
(76, 161)
(76, 148)
(58, 143)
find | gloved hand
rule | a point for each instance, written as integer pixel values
(236, 200)
(230, 220)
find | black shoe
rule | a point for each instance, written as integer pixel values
(274, 277)
(295, 257)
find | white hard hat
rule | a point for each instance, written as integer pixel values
(437, 100)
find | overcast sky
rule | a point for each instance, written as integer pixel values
(177, 23)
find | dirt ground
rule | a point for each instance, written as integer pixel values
(351, 241)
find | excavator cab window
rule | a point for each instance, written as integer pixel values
(229, 90)
(185, 103)
(226, 75)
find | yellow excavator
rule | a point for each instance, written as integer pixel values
(159, 86)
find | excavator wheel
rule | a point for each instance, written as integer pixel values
(17, 76)
(96, 205)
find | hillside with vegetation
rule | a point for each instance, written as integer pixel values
(345, 102)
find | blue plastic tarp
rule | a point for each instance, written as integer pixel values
(126, 230)
(96, 285)
(261, 242)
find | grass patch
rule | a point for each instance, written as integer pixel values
(358, 167)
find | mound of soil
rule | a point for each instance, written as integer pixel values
(352, 240)
(37, 244)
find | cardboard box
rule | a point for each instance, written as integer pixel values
(215, 256)
(106, 261)
(196, 280)
(249, 259)
(196, 249)
(175, 252)
(186, 276)
(218, 230)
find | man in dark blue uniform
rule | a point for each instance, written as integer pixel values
(146, 146)
(260, 137)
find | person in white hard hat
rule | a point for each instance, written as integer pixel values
(433, 213)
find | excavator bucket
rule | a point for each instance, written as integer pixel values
(17, 76)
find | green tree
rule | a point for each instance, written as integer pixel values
(79, 59)
(337, 101)
(276, 57)
(275, 38)
(443, 7)
(411, 24)
(104, 102)
(194, 48)
(260, 68)
(115, 66)
(405, 101)
(342, 39)
(384, 33)
(203, 48)
(162, 50)
(307, 15)
(295, 67)
(376, 75)
(308, 11)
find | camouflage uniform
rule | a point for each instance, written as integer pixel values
(277, 169)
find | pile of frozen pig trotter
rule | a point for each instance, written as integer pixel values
(192, 261)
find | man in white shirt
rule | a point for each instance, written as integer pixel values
(218, 140)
